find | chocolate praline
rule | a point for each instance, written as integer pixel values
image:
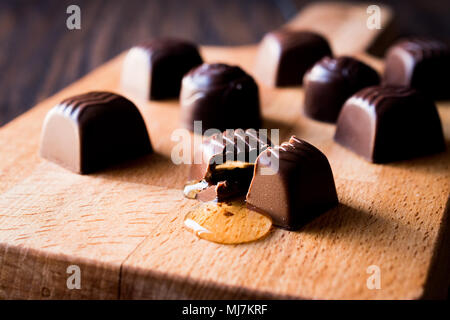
(293, 184)
(331, 81)
(89, 132)
(420, 63)
(223, 165)
(153, 70)
(221, 97)
(285, 55)
(384, 124)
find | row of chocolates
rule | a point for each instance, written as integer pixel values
(377, 121)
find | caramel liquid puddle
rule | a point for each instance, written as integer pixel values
(227, 223)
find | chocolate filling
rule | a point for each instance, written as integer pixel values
(221, 182)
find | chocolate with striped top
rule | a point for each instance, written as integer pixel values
(223, 165)
(385, 124)
(91, 131)
(420, 63)
(293, 183)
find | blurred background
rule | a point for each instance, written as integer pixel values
(39, 55)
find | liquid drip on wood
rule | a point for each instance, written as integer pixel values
(227, 222)
(193, 188)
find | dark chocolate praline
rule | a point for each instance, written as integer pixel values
(293, 184)
(154, 69)
(91, 131)
(385, 124)
(285, 55)
(419, 63)
(221, 97)
(331, 81)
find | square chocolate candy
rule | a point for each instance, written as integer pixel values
(153, 70)
(88, 132)
(285, 55)
(292, 183)
(419, 63)
(385, 124)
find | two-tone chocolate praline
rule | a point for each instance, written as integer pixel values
(221, 97)
(331, 81)
(384, 124)
(91, 131)
(420, 63)
(293, 184)
(285, 55)
(153, 70)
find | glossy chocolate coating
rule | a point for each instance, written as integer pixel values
(221, 96)
(89, 132)
(299, 190)
(285, 55)
(384, 124)
(331, 81)
(236, 147)
(153, 70)
(423, 64)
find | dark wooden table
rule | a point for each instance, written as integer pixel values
(39, 55)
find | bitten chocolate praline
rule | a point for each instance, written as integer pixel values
(293, 183)
(89, 132)
(153, 70)
(226, 163)
(420, 63)
(285, 55)
(385, 124)
(221, 97)
(331, 81)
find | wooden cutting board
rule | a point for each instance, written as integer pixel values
(124, 226)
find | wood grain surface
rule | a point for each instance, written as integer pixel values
(39, 56)
(124, 226)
